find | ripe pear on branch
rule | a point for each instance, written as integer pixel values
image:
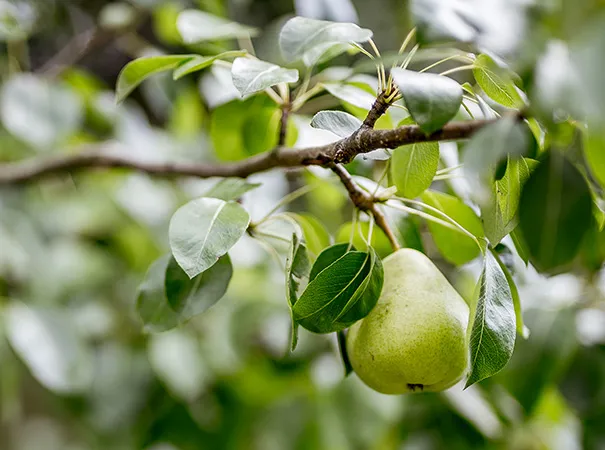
(415, 337)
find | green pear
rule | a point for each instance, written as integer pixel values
(414, 339)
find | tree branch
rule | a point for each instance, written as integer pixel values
(340, 152)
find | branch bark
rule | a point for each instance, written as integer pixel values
(340, 152)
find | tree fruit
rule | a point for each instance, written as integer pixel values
(414, 339)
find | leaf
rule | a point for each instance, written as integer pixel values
(197, 26)
(50, 346)
(298, 267)
(367, 294)
(492, 337)
(594, 150)
(352, 94)
(152, 304)
(496, 82)
(203, 230)
(306, 38)
(239, 129)
(344, 356)
(190, 297)
(520, 244)
(253, 75)
(432, 100)
(40, 113)
(522, 330)
(230, 189)
(342, 293)
(315, 233)
(327, 257)
(137, 71)
(454, 246)
(506, 137)
(198, 63)
(413, 168)
(340, 123)
(499, 213)
(555, 211)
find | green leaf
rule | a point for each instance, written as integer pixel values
(298, 267)
(327, 257)
(306, 38)
(496, 82)
(499, 213)
(506, 137)
(197, 26)
(594, 150)
(520, 244)
(239, 129)
(352, 94)
(230, 189)
(413, 168)
(380, 242)
(203, 230)
(137, 71)
(340, 294)
(432, 100)
(522, 330)
(340, 123)
(555, 211)
(367, 294)
(454, 246)
(253, 75)
(152, 304)
(198, 63)
(492, 337)
(315, 233)
(189, 297)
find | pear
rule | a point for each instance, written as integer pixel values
(414, 339)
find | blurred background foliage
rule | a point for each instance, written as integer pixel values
(77, 369)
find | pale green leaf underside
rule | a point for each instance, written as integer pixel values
(198, 26)
(203, 230)
(252, 75)
(301, 37)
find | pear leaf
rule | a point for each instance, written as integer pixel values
(190, 297)
(137, 71)
(496, 82)
(492, 337)
(198, 63)
(230, 189)
(309, 39)
(413, 167)
(197, 26)
(432, 100)
(555, 212)
(203, 230)
(340, 293)
(298, 267)
(340, 123)
(252, 75)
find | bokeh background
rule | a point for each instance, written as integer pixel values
(77, 369)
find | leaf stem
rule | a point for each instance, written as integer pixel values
(449, 222)
(457, 69)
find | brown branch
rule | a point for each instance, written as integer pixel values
(283, 124)
(342, 151)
